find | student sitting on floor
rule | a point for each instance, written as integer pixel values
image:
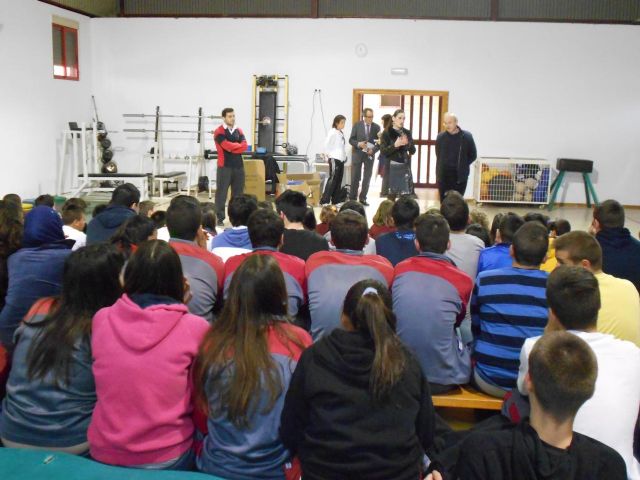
(35, 271)
(297, 241)
(51, 393)
(327, 214)
(561, 378)
(235, 240)
(620, 251)
(143, 349)
(509, 305)
(146, 208)
(465, 248)
(574, 301)
(132, 232)
(266, 230)
(242, 375)
(11, 231)
(382, 220)
(358, 405)
(123, 204)
(355, 206)
(331, 274)
(620, 311)
(498, 256)
(401, 244)
(74, 222)
(203, 269)
(430, 297)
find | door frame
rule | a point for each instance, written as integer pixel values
(444, 106)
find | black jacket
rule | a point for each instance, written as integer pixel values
(331, 421)
(393, 154)
(518, 453)
(466, 156)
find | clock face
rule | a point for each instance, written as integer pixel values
(361, 50)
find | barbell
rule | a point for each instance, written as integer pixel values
(144, 130)
(153, 115)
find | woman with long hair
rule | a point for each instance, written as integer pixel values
(11, 228)
(358, 405)
(144, 346)
(243, 372)
(51, 392)
(336, 152)
(382, 220)
(383, 164)
(397, 147)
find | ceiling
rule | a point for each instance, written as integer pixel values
(587, 11)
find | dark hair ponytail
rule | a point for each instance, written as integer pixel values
(368, 306)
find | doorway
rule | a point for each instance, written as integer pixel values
(424, 110)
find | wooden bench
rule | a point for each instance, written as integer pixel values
(467, 397)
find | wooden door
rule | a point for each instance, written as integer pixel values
(424, 110)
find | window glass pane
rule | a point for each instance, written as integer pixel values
(435, 117)
(58, 68)
(70, 53)
(423, 164)
(425, 118)
(415, 128)
(407, 111)
(432, 164)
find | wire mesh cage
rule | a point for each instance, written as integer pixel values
(512, 180)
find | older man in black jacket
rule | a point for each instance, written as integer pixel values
(455, 151)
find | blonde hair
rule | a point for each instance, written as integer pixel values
(328, 213)
(383, 217)
(477, 216)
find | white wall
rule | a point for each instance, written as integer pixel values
(537, 90)
(35, 107)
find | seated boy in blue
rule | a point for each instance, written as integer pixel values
(400, 245)
(235, 240)
(498, 256)
(508, 306)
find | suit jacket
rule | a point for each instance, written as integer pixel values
(359, 134)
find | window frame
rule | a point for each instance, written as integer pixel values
(63, 30)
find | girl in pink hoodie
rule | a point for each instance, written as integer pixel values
(143, 348)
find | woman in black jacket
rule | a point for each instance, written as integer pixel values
(358, 405)
(397, 147)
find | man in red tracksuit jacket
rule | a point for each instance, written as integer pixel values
(230, 144)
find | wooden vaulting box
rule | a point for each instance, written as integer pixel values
(254, 178)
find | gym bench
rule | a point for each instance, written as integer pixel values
(468, 398)
(91, 178)
(161, 178)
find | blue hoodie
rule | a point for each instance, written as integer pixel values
(35, 271)
(237, 237)
(102, 227)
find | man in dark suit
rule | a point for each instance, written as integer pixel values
(362, 139)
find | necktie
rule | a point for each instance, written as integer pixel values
(367, 130)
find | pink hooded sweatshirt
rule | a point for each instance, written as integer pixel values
(142, 369)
